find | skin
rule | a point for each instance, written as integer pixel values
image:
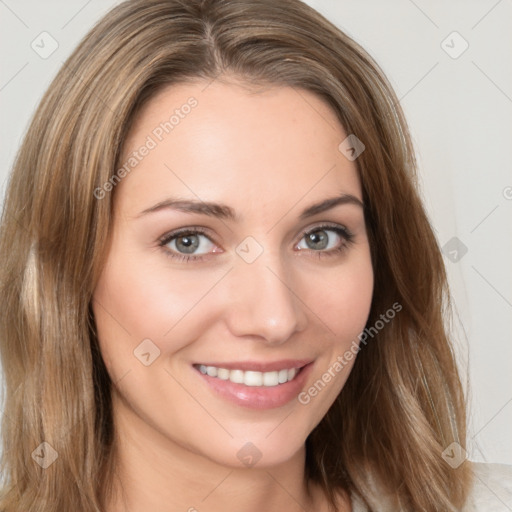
(268, 154)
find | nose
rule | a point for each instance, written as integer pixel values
(263, 303)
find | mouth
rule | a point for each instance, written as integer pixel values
(250, 377)
(256, 385)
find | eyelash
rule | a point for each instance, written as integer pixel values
(346, 236)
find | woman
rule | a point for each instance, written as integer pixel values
(212, 223)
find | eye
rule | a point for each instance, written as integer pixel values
(188, 243)
(325, 239)
(194, 244)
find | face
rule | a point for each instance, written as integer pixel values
(239, 271)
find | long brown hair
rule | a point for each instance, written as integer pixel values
(403, 403)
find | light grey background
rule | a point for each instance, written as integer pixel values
(459, 110)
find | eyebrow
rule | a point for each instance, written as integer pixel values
(223, 211)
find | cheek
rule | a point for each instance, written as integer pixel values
(136, 301)
(342, 298)
(341, 302)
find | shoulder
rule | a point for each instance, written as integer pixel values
(492, 488)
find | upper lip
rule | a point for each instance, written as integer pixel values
(260, 366)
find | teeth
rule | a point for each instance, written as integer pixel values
(253, 378)
(236, 376)
(250, 378)
(271, 378)
(283, 376)
(211, 371)
(223, 374)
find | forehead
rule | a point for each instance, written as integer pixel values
(242, 145)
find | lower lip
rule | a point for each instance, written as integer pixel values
(258, 397)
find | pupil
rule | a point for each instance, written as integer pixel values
(187, 243)
(317, 240)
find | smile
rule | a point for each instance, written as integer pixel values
(256, 385)
(250, 378)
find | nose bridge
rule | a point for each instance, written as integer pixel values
(263, 302)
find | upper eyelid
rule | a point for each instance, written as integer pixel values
(183, 231)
